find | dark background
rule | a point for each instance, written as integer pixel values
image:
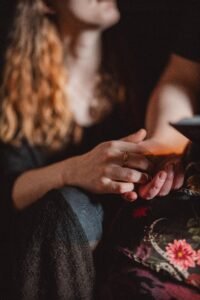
(151, 29)
(151, 26)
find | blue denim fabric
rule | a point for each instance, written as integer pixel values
(89, 212)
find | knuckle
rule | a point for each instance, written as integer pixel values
(120, 189)
(106, 172)
(102, 182)
(130, 176)
(100, 185)
(108, 153)
(155, 188)
(103, 146)
(115, 188)
(111, 144)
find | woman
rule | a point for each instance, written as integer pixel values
(62, 105)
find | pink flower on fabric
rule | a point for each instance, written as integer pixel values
(181, 254)
(198, 257)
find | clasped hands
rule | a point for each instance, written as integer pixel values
(124, 167)
(164, 173)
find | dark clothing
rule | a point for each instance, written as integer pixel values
(51, 257)
(169, 26)
(45, 249)
(188, 37)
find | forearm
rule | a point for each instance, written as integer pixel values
(168, 104)
(32, 185)
(174, 98)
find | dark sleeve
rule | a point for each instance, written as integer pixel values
(187, 41)
(13, 162)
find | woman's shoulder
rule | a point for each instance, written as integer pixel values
(11, 148)
(21, 153)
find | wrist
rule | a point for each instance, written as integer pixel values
(68, 174)
(166, 145)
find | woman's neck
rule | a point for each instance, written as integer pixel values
(82, 46)
(84, 59)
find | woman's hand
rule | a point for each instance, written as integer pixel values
(169, 177)
(111, 167)
(168, 173)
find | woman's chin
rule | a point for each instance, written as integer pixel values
(110, 18)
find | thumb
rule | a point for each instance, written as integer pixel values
(136, 137)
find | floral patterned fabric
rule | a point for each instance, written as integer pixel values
(156, 251)
(165, 236)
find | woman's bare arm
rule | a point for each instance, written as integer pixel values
(34, 184)
(174, 98)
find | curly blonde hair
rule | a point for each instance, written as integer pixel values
(34, 105)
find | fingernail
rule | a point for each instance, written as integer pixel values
(131, 200)
(128, 199)
(147, 197)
